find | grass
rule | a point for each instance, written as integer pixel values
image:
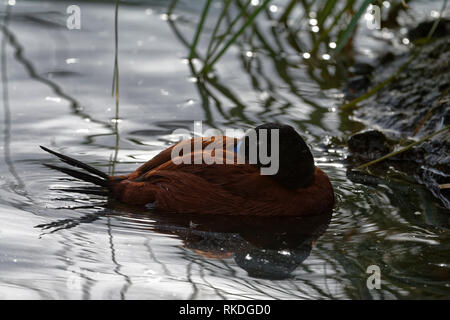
(216, 42)
(344, 37)
(199, 29)
(234, 37)
(332, 17)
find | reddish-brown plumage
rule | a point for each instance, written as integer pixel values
(230, 189)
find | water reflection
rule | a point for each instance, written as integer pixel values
(267, 53)
(270, 248)
(266, 248)
(6, 107)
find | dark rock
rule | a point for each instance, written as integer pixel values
(356, 86)
(423, 28)
(363, 178)
(361, 68)
(387, 58)
(369, 145)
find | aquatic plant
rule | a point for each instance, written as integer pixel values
(327, 18)
(115, 88)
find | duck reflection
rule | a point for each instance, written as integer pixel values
(269, 248)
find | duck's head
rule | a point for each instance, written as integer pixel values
(280, 152)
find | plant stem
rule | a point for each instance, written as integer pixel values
(353, 23)
(116, 85)
(326, 31)
(227, 32)
(435, 24)
(378, 87)
(216, 28)
(199, 29)
(236, 35)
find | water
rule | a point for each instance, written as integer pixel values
(56, 243)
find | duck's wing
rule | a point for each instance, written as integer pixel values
(233, 189)
(187, 192)
(223, 170)
(181, 186)
(165, 156)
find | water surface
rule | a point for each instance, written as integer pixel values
(57, 242)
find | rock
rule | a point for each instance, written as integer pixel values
(369, 145)
(420, 92)
(423, 28)
(356, 86)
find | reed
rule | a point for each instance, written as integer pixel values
(115, 87)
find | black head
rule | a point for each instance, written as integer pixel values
(295, 161)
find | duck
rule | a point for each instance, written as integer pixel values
(193, 177)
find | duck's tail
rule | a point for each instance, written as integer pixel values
(97, 177)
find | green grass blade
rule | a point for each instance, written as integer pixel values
(435, 24)
(342, 41)
(236, 35)
(228, 31)
(216, 27)
(325, 33)
(199, 29)
(325, 12)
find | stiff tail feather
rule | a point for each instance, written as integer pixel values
(99, 178)
(76, 163)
